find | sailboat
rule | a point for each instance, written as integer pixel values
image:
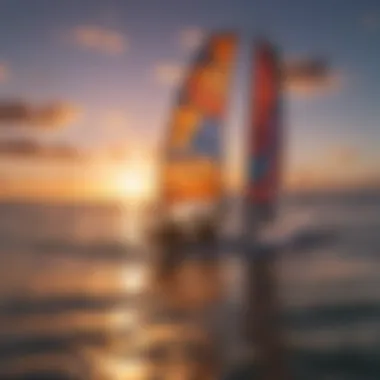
(191, 197)
(192, 181)
(191, 178)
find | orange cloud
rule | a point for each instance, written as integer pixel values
(4, 72)
(100, 39)
(54, 115)
(308, 77)
(31, 149)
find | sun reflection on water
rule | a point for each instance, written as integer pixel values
(122, 369)
(134, 278)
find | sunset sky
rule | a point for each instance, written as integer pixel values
(92, 83)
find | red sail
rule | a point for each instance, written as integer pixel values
(265, 134)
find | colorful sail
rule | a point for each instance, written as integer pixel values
(265, 139)
(192, 156)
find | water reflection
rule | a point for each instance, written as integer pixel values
(79, 301)
(135, 278)
(111, 367)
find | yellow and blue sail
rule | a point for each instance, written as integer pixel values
(192, 156)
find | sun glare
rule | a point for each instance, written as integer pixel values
(134, 181)
(133, 185)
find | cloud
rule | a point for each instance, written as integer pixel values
(168, 73)
(309, 77)
(4, 72)
(191, 38)
(31, 149)
(100, 39)
(50, 116)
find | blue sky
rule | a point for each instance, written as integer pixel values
(125, 91)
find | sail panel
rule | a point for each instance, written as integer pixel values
(266, 128)
(192, 157)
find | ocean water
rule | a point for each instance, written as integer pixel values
(72, 279)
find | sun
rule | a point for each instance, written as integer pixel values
(133, 185)
(134, 180)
